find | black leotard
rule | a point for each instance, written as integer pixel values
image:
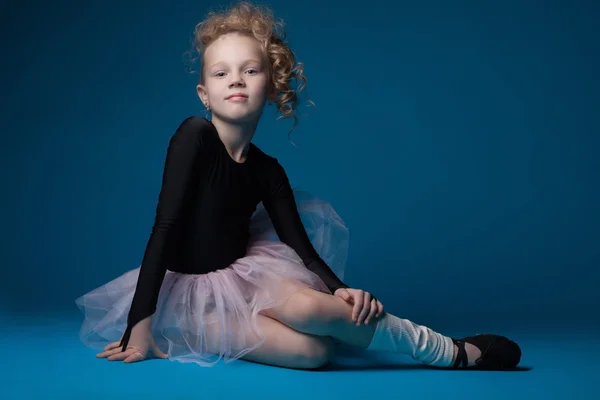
(204, 211)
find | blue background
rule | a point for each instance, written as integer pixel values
(458, 140)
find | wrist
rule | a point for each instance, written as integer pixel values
(144, 324)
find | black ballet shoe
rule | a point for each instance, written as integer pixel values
(497, 352)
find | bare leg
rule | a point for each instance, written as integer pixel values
(322, 314)
(288, 348)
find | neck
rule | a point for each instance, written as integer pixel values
(236, 136)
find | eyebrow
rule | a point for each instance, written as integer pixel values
(244, 63)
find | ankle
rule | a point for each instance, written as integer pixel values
(473, 353)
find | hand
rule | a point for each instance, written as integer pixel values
(141, 346)
(365, 304)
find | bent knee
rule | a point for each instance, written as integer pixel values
(304, 310)
(318, 352)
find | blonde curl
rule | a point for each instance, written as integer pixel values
(257, 21)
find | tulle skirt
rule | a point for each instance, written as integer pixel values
(205, 318)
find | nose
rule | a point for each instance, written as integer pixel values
(237, 82)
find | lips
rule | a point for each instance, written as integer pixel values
(237, 96)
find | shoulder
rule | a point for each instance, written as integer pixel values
(273, 178)
(269, 166)
(193, 130)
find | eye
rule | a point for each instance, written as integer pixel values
(220, 74)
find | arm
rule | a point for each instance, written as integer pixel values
(283, 211)
(179, 171)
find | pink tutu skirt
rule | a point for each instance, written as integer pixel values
(204, 318)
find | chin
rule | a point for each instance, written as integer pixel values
(239, 116)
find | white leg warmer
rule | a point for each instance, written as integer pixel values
(421, 343)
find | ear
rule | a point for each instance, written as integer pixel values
(202, 94)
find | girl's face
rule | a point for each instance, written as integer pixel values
(235, 63)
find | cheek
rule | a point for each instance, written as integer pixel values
(262, 89)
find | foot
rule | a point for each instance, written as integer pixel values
(486, 351)
(473, 353)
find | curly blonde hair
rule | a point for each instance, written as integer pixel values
(257, 21)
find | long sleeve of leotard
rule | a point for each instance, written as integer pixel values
(179, 169)
(283, 211)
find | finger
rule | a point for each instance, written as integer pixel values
(123, 355)
(366, 307)
(358, 305)
(345, 295)
(113, 345)
(372, 312)
(135, 357)
(107, 353)
(158, 352)
(379, 309)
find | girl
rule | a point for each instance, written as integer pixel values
(230, 270)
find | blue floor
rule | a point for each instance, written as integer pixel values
(43, 359)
